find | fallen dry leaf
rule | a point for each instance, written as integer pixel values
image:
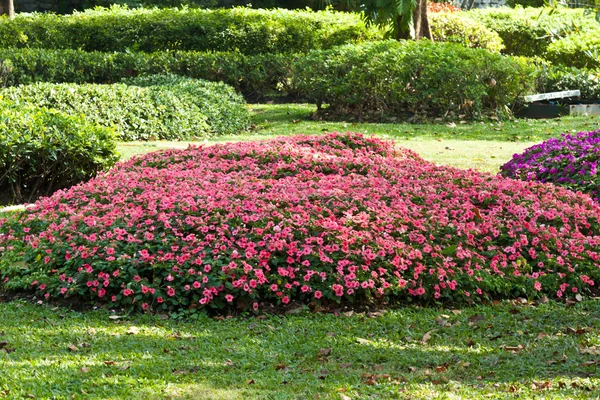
(280, 367)
(440, 369)
(456, 312)
(85, 370)
(427, 336)
(250, 382)
(72, 348)
(473, 319)
(542, 335)
(591, 350)
(134, 330)
(325, 352)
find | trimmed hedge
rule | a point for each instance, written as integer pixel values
(528, 32)
(457, 28)
(136, 113)
(44, 150)
(421, 78)
(254, 76)
(582, 50)
(240, 29)
(225, 110)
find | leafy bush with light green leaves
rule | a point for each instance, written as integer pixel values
(137, 113)
(457, 28)
(407, 79)
(240, 29)
(225, 110)
(530, 31)
(580, 51)
(44, 150)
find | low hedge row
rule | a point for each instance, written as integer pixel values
(417, 78)
(137, 113)
(225, 110)
(254, 76)
(246, 30)
(44, 150)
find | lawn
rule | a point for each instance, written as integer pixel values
(504, 350)
(483, 146)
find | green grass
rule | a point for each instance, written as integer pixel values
(484, 146)
(303, 356)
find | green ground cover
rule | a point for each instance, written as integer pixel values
(503, 351)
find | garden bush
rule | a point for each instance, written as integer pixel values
(330, 218)
(571, 161)
(380, 79)
(43, 150)
(528, 32)
(457, 28)
(581, 50)
(239, 29)
(565, 78)
(137, 113)
(255, 76)
(225, 110)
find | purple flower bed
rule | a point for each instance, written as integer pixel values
(570, 161)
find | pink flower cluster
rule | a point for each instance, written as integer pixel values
(336, 217)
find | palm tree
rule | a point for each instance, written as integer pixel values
(404, 19)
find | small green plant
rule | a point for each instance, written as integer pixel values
(44, 150)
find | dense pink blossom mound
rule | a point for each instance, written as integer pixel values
(327, 218)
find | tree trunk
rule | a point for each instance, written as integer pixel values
(9, 8)
(401, 33)
(422, 29)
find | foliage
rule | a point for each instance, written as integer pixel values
(528, 32)
(436, 7)
(314, 219)
(569, 78)
(238, 29)
(43, 150)
(254, 76)
(582, 50)
(571, 161)
(225, 110)
(137, 113)
(422, 78)
(457, 28)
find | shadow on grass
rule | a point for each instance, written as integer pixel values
(292, 357)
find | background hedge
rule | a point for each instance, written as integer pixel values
(254, 76)
(137, 113)
(225, 110)
(414, 78)
(44, 150)
(529, 31)
(246, 30)
(458, 28)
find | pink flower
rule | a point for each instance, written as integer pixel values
(318, 294)
(285, 300)
(229, 298)
(159, 300)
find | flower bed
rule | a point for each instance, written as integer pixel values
(338, 217)
(571, 161)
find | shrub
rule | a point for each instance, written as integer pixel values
(137, 113)
(254, 76)
(225, 110)
(42, 151)
(238, 29)
(571, 161)
(457, 28)
(417, 78)
(528, 32)
(581, 50)
(333, 218)
(565, 78)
